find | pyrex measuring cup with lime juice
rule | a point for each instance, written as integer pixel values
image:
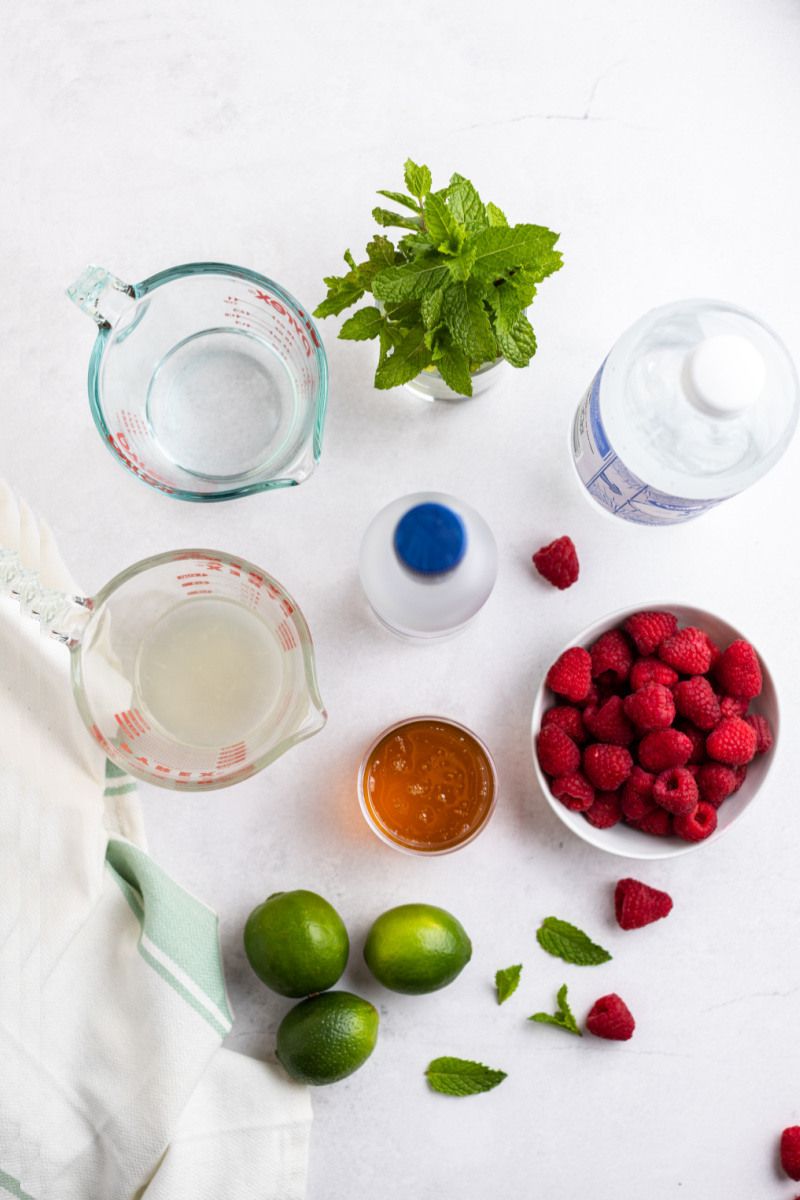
(192, 669)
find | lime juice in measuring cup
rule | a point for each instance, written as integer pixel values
(192, 669)
(206, 381)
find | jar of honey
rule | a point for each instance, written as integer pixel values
(427, 786)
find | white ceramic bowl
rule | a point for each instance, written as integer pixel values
(621, 839)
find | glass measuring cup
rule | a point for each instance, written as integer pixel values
(192, 669)
(206, 381)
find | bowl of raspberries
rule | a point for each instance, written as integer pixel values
(654, 730)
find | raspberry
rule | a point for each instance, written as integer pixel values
(652, 707)
(638, 905)
(738, 671)
(567, 718)
(741, 774)
(716, 653)
(558, 754)
(695, 699)
(698, 740)
(697, 825)
(612, 652)
(658, 822)
(664, 748)
(733, 742)
(790, 1151)
(715, 783)
(608, 723)
(688, 651)
(762, 730)
(733, 706)
(607, 767)
(649, 629)
(637, 794)
(610, 1018)
(571, 676)
(676, 791)
(592, 697)
(558, 563)
(574, 791)
(605, 811)
(651, 670)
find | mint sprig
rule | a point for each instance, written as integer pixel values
(461, 276)
(507, 981)
(460, 1077)
(563, 940)
(562, 1018)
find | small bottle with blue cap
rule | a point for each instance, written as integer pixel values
(428, 563)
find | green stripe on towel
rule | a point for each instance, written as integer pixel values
(14, 1188)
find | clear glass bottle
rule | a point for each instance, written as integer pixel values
(428, 563)
(693, 404)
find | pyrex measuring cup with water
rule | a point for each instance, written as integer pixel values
(206, 381)
(192, 669)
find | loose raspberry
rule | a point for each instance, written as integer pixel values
(790, 1152)
(687, 651)
(696, 737)
(738, 671)
(651, 670)
(567, 718)
(695, 700)
(649, 629)
(733, 742)
(652, 707)
(637, 795)
(733, 706)
(607, 767)
(558, 754)
(574, 791)
(608, 723)
(676, 791)
(611, 1018)
(571, 676)
(637, 905)
(664, 748)
(762, 730)
(558, 563)
(658, 822)
(715, 782)
(605, 811)
(698, 825)
(612, 652)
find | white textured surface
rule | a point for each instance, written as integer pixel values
(660, 139)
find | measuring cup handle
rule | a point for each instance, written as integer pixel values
(101, 295)
(61, 615)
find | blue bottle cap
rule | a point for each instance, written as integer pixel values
(430, 539)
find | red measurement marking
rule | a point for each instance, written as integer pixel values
(256, 580)
(194, 575)
(166, 770)
(143, 760)
(286, 636)
(201, 592)
(184, 774)
(279, 308)
(99, 737)
(230, 755)
(213, 564)
(235, 569)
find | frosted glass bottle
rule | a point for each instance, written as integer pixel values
(693, 404)
(428, 563)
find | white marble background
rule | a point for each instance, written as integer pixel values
(661, 140)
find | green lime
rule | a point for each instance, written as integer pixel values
(327, 1037)
(417, 948)
(296, 943)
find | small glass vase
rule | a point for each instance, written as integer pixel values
(429, 384)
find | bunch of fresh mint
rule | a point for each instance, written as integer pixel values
(453, 292)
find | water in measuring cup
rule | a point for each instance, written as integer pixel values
(209, 672)
(221, 403)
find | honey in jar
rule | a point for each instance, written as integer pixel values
(427, 786)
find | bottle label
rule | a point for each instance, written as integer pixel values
(608, 480)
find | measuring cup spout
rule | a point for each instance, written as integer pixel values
(101, 295)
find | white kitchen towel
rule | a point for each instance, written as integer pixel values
(113, 1007)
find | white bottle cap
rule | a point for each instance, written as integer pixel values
(724, 375)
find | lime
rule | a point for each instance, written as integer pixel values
(417, 948)
(327, 1037)
(296, 943)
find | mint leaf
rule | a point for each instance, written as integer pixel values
(412, 280)
(399, 198)
(460, 1077)
(418, 179)
(465, 204)
(461, 265)
(385, 216)
(495, 215)
(452, 363)
(563, 1017)
(409, 358)
(403, 312)
(446, 232)
(363, 325)
(517, 344)
(507, 981)
(346, 292)
(500, 248)
(464, 313)
(381, 251)
(431, 308)
(565, 941)
(524, 284)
